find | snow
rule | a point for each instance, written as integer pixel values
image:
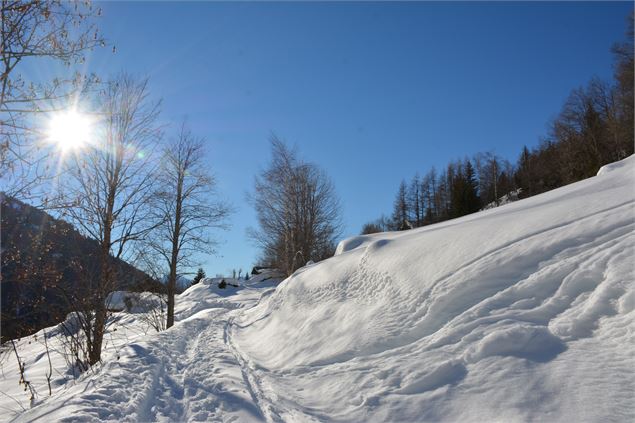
(187, 372)
(510, 197)
(519, 313)
(133, 302)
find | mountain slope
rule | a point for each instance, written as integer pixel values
(520, 313)
(42, 260)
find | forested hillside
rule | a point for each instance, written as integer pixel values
(47, 266)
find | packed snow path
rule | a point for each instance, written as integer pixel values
(521, 313)
(188, 373)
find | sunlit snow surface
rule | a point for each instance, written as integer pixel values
(520, 313)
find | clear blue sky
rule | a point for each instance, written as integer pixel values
(372, 92)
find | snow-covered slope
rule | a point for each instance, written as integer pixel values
(517, 313)
(520, 313)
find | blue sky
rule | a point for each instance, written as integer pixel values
(372, 92)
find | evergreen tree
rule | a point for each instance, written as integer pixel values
(471, 198)
(200, 274)
(464, 189)
(523, 174)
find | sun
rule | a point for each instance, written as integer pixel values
(70, 130)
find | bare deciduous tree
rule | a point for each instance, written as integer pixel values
(52, 30)
(298, 211)
(381, 224)
(107, 191)
(494, 177)
(188, 207)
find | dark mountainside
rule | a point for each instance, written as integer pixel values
(47, 266)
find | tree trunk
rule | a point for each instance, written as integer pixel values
(175, 251)
(104, 286)
(94, 353)
(171, 292)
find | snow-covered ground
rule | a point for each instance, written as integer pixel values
(525, 312)
(185, 373)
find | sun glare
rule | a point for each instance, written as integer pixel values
(70, 130)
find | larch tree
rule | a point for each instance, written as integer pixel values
(401, 209)
(493, 173)
(414, 201)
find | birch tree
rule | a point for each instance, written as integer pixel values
(108, 190)
(298, 211)
(43, 31)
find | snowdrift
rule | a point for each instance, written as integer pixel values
(513, 313)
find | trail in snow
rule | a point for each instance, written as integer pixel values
(187, 373)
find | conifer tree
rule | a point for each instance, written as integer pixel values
(471, 198)
(200, 274)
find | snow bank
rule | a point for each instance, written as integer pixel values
(266, 275)
(626, 163)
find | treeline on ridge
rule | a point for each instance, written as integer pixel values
(594, 128)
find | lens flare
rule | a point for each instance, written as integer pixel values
(70, 130)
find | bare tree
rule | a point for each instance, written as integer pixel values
(401, 209)
(381, 224)
(107, 190)
(188, 207)
(298, 211)
(623, 92)
(55, 30)
(488, 166)
(414, 201)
